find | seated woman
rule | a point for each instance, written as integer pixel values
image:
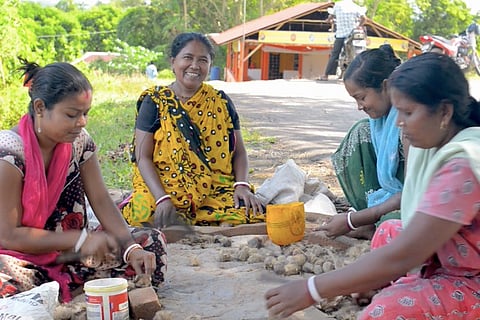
(369, 163)
(439, 230)
(48, 165)
(190, 162)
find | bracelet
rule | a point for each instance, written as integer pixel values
(312, 290)
(130, 249)
(349, 221)
(133, 249)
(162, 198)
(241, 183)
(81, 240)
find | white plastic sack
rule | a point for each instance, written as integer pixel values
(314, 186)
(321, 204)
(38, 303)
(285, 186)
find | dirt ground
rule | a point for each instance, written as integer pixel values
(212, 276)
(225, 278)
(298, 119)
(217, 277)
(306, 121)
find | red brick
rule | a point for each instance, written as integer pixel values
(143, 303)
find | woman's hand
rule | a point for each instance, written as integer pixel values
(99, 244)
(142, 261)
(165, 215)
(335, 226)
(289, 298)
(250, 200)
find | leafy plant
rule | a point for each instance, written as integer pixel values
(131, 60)
(14, 102)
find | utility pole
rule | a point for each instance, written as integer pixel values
(185, 16)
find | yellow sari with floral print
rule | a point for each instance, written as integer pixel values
(193, 154)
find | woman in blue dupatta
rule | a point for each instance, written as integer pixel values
(369, 163)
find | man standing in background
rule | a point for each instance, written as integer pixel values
(347, 16)
(151, 71)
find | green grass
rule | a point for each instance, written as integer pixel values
(111, 126)
(253, 138)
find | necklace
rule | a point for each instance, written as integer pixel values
(174, 86)
(183, 97)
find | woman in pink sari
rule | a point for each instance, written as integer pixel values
(427, 264)
(48, 166)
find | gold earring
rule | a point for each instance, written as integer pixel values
(442, 125)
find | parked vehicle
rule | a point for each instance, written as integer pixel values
(355, 43)
(462, 48)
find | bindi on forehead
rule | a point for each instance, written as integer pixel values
(86, 95)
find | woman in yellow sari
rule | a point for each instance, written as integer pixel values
(189, 158)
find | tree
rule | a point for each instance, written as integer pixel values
(210, 16)
(125, 4)
(393, 14)
(148, 26)
(441, 17)
(67, 5)
(101, 23)
(11, 44)
(59, 35)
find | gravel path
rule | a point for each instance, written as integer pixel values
(306, 121)
(302, 120)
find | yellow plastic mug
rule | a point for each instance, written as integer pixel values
(286, 222)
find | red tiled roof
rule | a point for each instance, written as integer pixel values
(268, 21)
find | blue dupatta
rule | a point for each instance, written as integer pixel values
(385, 139)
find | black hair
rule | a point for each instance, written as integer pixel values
(432, 78)
(52, 83)
(183, 39)
(371, 67)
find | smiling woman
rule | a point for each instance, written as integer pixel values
(190, 159)
(369, 163)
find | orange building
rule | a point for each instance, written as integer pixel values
(293, 43)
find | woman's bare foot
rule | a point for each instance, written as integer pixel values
(363, 232)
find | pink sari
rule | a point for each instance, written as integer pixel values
(40, 196)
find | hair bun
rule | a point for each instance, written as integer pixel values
(387, 48)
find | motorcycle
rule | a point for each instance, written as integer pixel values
(461, 48)
(355, 44)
